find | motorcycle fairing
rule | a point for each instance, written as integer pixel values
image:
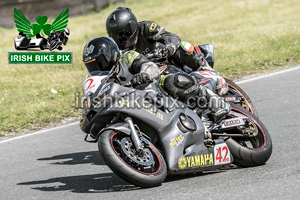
(180, 130)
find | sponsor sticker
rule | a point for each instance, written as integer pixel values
(195, 161)
(189, 90)
(182, 163)
(151, 111)
(153, 26)
(176, 141)
(230, 98)
(232, 122)
(104, 90)
(125, 103)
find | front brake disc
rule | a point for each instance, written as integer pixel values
(143, 157)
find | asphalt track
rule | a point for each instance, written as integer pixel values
(58, 164)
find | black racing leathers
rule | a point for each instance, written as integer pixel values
(195, 60)
(186, 89)
(150, 33)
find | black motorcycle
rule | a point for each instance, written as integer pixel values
(144, 134)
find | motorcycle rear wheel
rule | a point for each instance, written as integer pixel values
(146, 170)
(247, 104)
(253, 151)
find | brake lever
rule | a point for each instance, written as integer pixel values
(149, 55)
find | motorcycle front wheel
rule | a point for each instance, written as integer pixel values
(144, 168)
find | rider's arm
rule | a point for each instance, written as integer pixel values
(138, 63)
(157, 33)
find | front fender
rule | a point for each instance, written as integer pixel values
(122, 127)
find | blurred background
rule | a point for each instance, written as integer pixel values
(34, 8)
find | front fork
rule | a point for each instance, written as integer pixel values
(134, 136)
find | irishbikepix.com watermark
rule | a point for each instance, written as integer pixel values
(133, 101)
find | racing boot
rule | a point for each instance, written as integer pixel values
(218, 105)
(221, 86)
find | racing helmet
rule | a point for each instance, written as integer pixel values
(66, 32)
(100, 54)
(122, 26)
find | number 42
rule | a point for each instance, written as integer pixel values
(219, 154)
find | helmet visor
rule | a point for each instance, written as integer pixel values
(91, 65)
(121, 38)
(101, 63)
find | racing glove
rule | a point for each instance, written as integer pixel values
(163, 51)
(140, 78)
(201, 62)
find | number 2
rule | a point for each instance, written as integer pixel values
(91, 81)
(226, 149)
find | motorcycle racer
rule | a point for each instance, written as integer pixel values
(148, 36)
(128, 33)
(102, 54)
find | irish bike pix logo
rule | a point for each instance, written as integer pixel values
(36, 37)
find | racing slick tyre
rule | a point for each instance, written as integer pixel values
(247, 104)
(144, 168)
(250, 151)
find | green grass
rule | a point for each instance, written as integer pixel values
(252, 36)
